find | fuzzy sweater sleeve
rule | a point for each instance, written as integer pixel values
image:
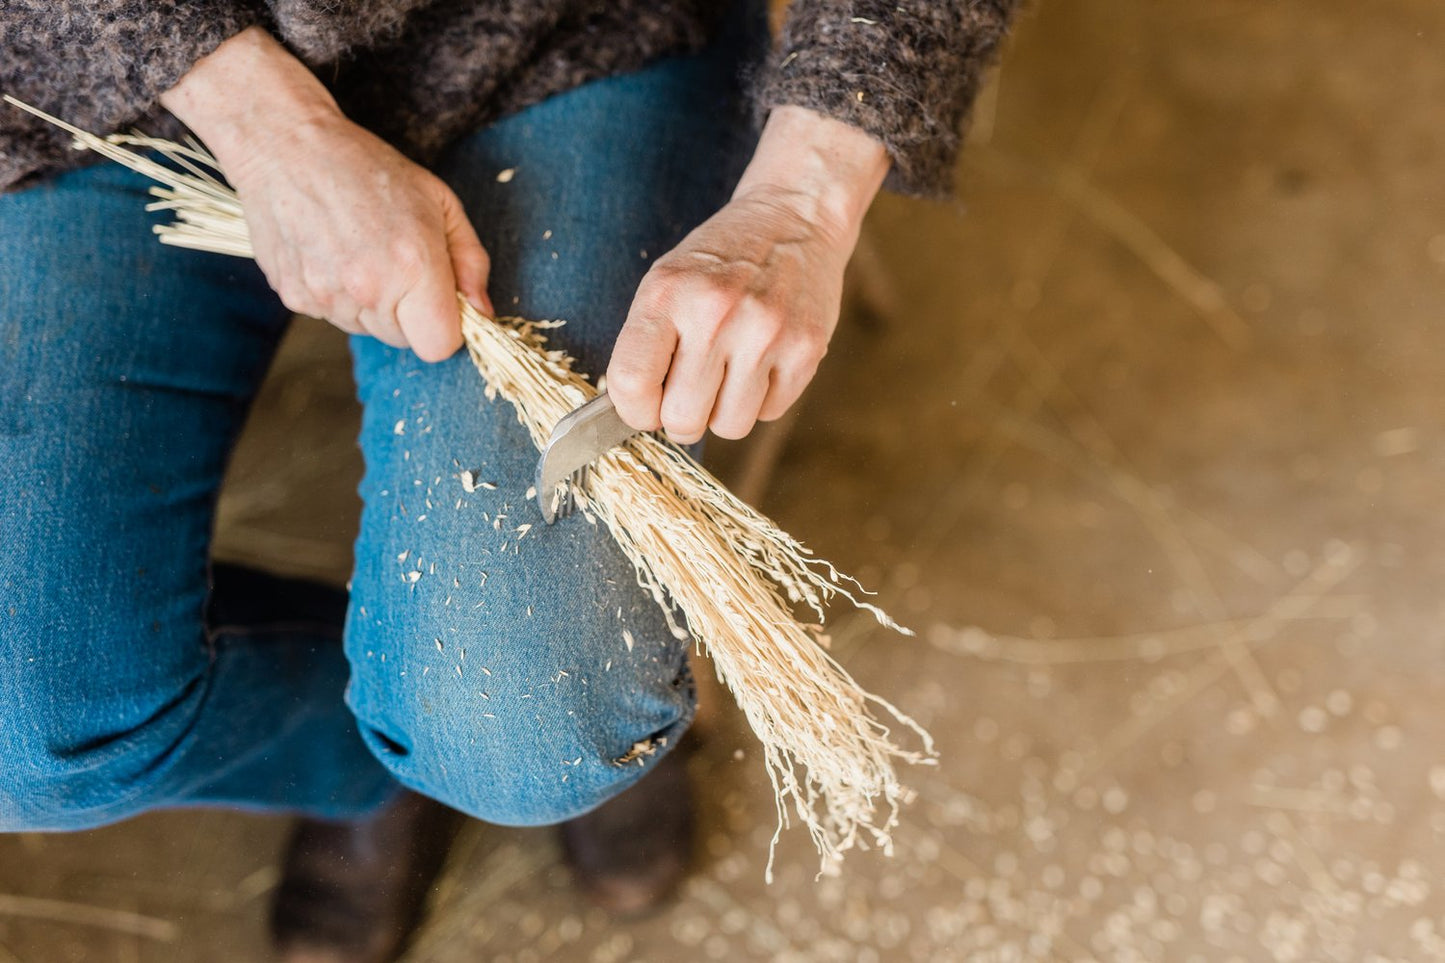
(101, 64)
(905, 71)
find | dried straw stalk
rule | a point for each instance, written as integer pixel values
(735, 576)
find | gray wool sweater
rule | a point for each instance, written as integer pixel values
(422, 72)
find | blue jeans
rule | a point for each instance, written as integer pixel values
(480, 667)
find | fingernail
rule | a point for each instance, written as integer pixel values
(481, 303)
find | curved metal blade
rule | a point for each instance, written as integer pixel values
(579, 438)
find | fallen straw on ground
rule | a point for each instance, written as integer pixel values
(734, 576)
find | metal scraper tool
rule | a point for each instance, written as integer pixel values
(579, 439)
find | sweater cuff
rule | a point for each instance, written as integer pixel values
(103, 94)
(904, 71)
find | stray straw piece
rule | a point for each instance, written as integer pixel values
(733, 575)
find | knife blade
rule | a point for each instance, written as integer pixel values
(579, 439)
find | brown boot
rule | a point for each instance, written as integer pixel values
(352, 892)
(629, 854)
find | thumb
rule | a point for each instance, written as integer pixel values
(470, 262)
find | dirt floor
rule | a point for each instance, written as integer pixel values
(1143, 435)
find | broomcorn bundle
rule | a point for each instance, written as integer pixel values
(735, 577)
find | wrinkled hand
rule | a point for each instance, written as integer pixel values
(347, 229)
(728, 328)
(344, 227)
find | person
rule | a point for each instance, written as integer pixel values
(595, 162)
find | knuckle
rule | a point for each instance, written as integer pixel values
(624, 379)
(711, 301)
(299, 299)
(408, 255)
(807, 346)
(619, 376)
(360, 285)
(768, 328)
(652, 294)
(315, 277)
(698, 306)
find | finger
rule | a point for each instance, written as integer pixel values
(267, 251)
(347, 325)
(744, 388)
(300, 300)
(691, 391)
(640, 362)
(786, 386)
(382, 326)
(345, 314)
(470, 264)
(286, 275)
(428, 314)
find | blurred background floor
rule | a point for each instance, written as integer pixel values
(1143, 436)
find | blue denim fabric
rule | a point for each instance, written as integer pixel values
(487, 668)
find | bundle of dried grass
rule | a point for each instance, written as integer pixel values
(734, 576)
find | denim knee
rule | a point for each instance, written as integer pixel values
(538, 748)
(82, 746)
(49, 781)
(512, 669)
